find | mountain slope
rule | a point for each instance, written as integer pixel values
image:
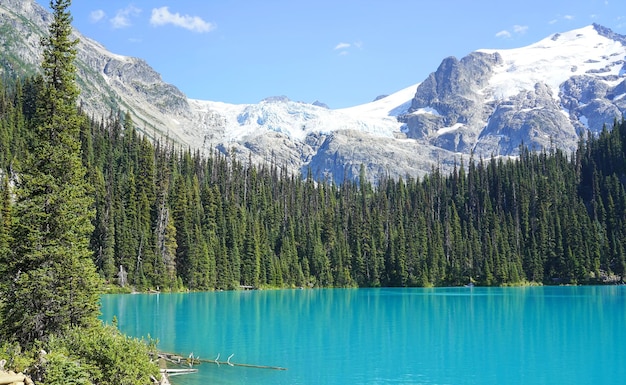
(106, 80)
(486, 103)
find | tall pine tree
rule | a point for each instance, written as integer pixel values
(53, 282)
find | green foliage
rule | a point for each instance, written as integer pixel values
(60, 369)
(103, 356)
(16, 359)
(53, 283)
(98, 355)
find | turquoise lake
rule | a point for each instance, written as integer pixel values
(527, 335)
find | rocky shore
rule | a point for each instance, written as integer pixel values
(12, 378)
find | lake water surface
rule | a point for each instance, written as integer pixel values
(527, 335)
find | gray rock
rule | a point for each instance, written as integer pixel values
(454, 92)
(532, 118)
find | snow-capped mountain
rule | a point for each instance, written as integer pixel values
(486, 103)
(549, 92)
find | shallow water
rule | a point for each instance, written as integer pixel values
(528, 335)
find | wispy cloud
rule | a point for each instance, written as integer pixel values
(517, 30)
(503, 34)
(123, 16)
(520, 29)
(344, 48)
(564, 17)
(96, 16)
(162, 16)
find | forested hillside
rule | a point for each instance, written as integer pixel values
(171, 219)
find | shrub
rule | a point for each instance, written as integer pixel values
(109, 357)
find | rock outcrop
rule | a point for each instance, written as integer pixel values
(12, 378)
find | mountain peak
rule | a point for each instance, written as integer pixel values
(609, 34)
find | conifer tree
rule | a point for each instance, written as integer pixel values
(53, 282)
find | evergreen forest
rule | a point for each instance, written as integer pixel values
(171, 219)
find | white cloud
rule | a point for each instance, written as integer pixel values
(517, 29)
(504, 34)
(96, 16)
(520, 29)
(563, 17)
(162, 16)
(123, 16)
(345, 48)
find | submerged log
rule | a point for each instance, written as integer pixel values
(176, 372)
(191, 360)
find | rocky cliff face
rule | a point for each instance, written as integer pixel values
(107, 81)
(20, 36)
(532, 117)
(487, 103)
(452, 96)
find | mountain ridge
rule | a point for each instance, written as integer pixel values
(486, 104)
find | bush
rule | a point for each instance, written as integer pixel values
(99, 355)
(60, 369)
(109, 357)
(16, 359)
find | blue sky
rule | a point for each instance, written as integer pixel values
(340, 52)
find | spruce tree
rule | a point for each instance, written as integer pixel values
(53, 282)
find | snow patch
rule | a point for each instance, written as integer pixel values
(426, 110)
(447, 130)
(395, 104)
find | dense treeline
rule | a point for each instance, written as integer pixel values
(173, 219)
